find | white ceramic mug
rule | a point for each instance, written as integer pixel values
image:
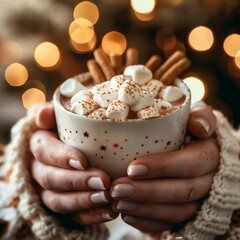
(112, 146)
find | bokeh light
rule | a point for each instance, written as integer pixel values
(231, 44)
(114, 42)
(174, 3)
(196, 87)
(47, 55)
(33, 96)
(237, 59)
(143, 6)
(87, 10)
(201, 38)
(16, 74)
(165, 36)
(11, 52)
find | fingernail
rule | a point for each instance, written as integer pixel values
(203, 122)
(126, 206)
(76, 164)
(106, 216)
(98, 197)
(137, 170)
(96, 183)
(129, 219)
(199, 104)
(122, 190)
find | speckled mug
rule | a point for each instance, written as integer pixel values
(112, 146)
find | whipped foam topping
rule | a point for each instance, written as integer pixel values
(132, 95)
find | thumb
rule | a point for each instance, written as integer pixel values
(202, 121)
(46, 117)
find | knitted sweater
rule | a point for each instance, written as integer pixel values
(22, 215)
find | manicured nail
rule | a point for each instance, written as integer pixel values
(106, 216)
(96, 183)
(137, 170)
(76, 164)
(129, 219)
(203, 122)
(98, 197)
(126, 206)
(199, 104)
(122, 190)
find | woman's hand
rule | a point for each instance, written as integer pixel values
(166, 188)
(66, 184)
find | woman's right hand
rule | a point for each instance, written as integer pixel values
(66, 184)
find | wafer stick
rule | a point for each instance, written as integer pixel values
(174, 71)
(116, 62)
(131, 56)
(104, 63)
(95, 71)
(154, 62)
(175, 57)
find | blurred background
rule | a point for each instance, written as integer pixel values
(44, 42)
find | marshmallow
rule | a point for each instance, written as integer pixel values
(161, 105)
(101, 87)
(146, 100)
(70, 87)
(172, 94)
(98, 114)
(103, 98)
(140, 73)
(118, 80)
(85, 94)
(153, 86)
(129, 92)
(147, 113)
(84, 107)
(117, 110)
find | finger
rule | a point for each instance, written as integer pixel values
(162, 191)
(155, 211)
(95, 216)
(147, 225)
(69, 202)
(202, 121)
(47, 149)
(45, 117)
(196, 159)
(59, 179)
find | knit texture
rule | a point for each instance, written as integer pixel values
(21, 210)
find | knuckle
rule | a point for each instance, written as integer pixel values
(54, 204)
(45, 181)
(72, 183)
(184, 193)
(180, 214)
(196, 165)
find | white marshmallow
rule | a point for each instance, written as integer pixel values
(98, 114)
(153, 86)
(147, 113)
(117, 110)
(84, 107)
(101, 87)
(70, 87)
(129, 92)
(118, 80)
(172, 94)
(146, 100)
(140, 73)
(161, 105)
(81, 95)
(103, 98)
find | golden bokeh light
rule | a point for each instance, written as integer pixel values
(33, 96)
(16, 74)
(114, 42)
(11, 52)
(172, 46)
(196, 87)
(143, 6)
(231, 44)
(81, 31)
(47, 55)
(237, 59)
(164, 37)
(87, 10)
(174, 3)
(201, 38)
